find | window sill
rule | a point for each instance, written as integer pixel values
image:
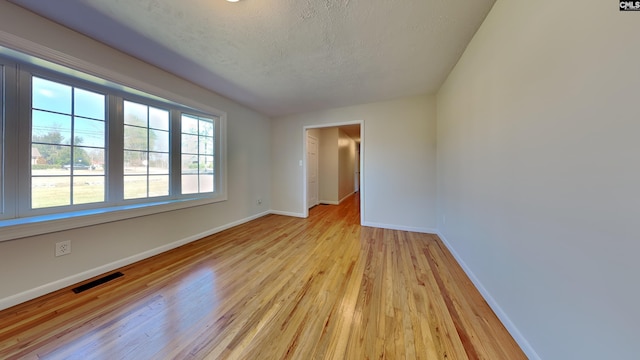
(43, 224)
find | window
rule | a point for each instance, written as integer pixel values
(198, 155)
(90, 148)
(8, 142)
(146, 151)
(67, 145)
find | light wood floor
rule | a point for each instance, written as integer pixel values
(274, 288)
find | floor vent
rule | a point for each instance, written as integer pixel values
(97, 282)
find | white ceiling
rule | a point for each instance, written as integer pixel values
(286, 56)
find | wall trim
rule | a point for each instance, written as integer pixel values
(345, 197)
(400, 227)
(74, 279)
(504, 318)
(288, 213)
(332, 202)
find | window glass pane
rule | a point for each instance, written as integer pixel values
(89, 132)
(49, 159)
(89, 104)
(158, 185)
(135, 138)
(50, 191)
(158, 119)
(51, 96)
(206, 183)
(189, 124)
(135, 114)
(88, 189)
(159, 140)
(206, 145)
(135, 187)
(206, 128)
(158, 163)
(135, 162)
(189, 164)
(81, 160)
(50, 128)
(96, 160)
(190, 184)
(189, 144)
(206, 164)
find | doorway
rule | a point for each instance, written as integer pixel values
(348, 134)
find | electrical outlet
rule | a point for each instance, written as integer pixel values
(63, 248)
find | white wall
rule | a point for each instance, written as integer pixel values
(328, 166)
(399, 186)
(336, 165)
(29, 263)
(538, 172)
(346, 165)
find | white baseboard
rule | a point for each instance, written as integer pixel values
(508, 324)
(400, 227)
(74, 279)
(345, 197)
(332, 202)
(286, 213)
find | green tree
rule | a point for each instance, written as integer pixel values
(52, 147)
(80, 155)
(55, 150)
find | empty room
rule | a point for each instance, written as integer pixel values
(319, 179)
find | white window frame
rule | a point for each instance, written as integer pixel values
(9, 143)
(17, 219)
(199, 152)
(3, 211)
(24, 142)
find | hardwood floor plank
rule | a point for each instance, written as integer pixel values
(274, 288)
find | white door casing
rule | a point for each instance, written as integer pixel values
(356, 176)
(312, 171)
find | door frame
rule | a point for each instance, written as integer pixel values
(362, 168)
(317, 167)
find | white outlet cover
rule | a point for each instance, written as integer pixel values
(63, 247)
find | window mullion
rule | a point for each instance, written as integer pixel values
(175, 153)
(9, 134)
(23, 136)
(115, 157)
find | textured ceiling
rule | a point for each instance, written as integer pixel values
(286, 56)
